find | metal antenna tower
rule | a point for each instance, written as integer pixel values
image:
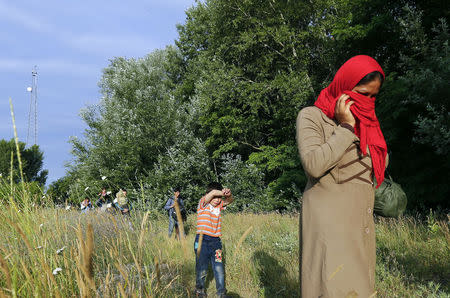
(32, 113)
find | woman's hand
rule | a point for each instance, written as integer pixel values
(342, 111)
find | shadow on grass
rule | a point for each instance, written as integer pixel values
(422, 268)
(273, 277)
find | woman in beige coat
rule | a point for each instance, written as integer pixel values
(341, 148)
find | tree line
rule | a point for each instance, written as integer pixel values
(221, 103)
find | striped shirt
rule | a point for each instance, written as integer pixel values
(209, 219)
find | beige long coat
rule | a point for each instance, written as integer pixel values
(337, 234)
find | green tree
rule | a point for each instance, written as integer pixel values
(58, 191)
(246, 63)
(234, 86)
(414, 112)
(133, 124)
(32, 162)
(185, 164)
(254, 64)
(247, 185)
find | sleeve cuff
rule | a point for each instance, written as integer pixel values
(348, 126)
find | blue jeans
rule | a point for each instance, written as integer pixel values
(172, 223)
(210, 253)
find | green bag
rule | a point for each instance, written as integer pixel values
(390, 199)
(122, 200)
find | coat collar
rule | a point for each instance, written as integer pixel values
(325, 117)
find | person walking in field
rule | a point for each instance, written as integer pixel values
(122, 203)
(208, 250)
(341, 148)
(86, 205)
(170, 208)
(104, 198)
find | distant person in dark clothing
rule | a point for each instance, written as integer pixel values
(170, 207)
(101, 198)
(104, 198)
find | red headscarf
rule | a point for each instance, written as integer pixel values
(367, 127)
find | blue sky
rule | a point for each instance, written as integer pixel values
(70, 42)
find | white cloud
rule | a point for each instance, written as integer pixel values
(109, 44)
(24, 19)
(112, 45)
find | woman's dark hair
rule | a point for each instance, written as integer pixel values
(177, 188)
(371, 77)
(214, 185)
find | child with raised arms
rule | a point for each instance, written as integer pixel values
(209, 249)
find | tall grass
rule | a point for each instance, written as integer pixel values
(102, 254)
(413, 257)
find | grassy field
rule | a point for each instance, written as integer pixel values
(104, 255)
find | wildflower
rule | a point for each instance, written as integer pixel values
(39, 247)
(103, 177)
(55, 272)
(59, 251)
(41, 225)
(67, 207)
(108, 192)
(87, 187)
